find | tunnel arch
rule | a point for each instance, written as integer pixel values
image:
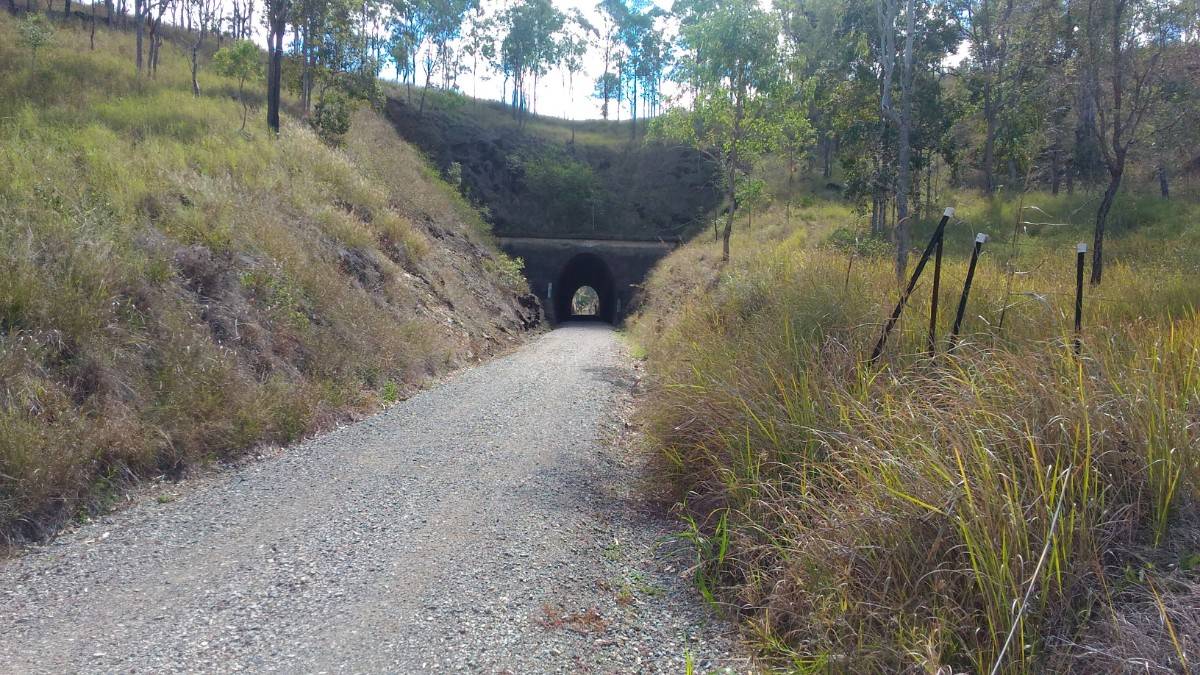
(585, 269)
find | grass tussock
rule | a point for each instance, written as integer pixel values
(175, 291)
(896, 518)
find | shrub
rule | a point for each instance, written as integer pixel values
(331, 116)
(35, 33)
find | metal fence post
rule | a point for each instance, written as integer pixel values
(912, 283)
(933, 302)
(980, 240)
(1080, 254)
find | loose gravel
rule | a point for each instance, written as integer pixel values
(485, 525)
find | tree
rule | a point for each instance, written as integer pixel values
(278, 12)
(35, 33)
(608, 83)
(606, 90)
(1124, 44)
(732, 53)
(443, 20)
(478, 42)
(902, 119)
(204, 15)
(576, 36)
(239, 61)
(530, 47)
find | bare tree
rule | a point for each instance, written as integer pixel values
(203, 16)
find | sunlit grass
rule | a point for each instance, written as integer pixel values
(177, 291)
(892, 517)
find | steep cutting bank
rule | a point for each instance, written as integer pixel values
(592, 179)
(176, 291)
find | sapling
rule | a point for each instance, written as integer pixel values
(35, 33)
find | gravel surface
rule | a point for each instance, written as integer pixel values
(485, 525)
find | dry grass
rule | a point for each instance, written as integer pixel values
(176, 292)
(893, 518)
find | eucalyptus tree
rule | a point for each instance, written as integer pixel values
(732, 48)
(644, 51)
(611, 13)
(239, 61)
(577, 34)
(442, 21)
(278, 13)
(530, 47)
(1123, 48)
(204, 15)
(478, 42)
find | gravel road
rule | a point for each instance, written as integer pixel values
(485, 525)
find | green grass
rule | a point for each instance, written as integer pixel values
(891, 518)
(494, 116)
(175, 292)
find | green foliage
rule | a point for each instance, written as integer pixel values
(35, 33)
(240, 61)
(530, 46)
(511, 270)
(331, 116)
(566, 188)
(848, 242)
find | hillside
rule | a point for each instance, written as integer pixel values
(587, 178)
(1008, 507)
(176, 292)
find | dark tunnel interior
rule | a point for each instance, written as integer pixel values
(585, 269)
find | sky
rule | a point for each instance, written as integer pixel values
(554, 97)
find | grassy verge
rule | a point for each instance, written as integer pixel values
(175, 291)
(896, 517)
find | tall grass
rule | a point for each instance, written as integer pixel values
(892, 518)
(174, 291)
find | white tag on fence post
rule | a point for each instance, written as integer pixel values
(981, 238)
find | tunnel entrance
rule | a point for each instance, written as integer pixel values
(585, 271)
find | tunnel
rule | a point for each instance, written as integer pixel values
(585, 269)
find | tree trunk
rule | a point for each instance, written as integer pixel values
(827, 169)
(1110, 195)
(989, 141)
(195, 59)
(1055, 167)
(275, 74)
(428, 75)
(245, 105)
(787, 210)
(728, 220)
(1164, 187)
(904, 150)
(108, 12)
(139, 20)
